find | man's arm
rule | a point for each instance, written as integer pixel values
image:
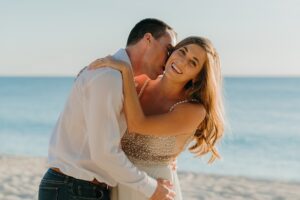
(104, 101)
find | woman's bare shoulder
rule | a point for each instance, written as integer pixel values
(140, 81)
(191, 108)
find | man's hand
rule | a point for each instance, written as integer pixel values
(163, 190)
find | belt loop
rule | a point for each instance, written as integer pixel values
(70, 185)
(79, 190)
(66, 179)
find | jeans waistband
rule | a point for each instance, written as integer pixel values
(80, 181)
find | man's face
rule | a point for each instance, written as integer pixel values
(158, 53)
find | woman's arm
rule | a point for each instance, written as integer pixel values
(109, 61)
(185, 118)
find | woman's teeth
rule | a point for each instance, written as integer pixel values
(176, 68)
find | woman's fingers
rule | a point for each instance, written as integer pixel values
(96, 64)
(101, 62)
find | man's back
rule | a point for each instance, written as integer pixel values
(69, 145)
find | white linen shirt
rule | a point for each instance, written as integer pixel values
(85, 143)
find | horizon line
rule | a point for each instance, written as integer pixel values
(225, 76)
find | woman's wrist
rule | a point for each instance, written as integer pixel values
(126, 70)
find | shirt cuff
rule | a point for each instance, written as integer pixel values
(148, 187)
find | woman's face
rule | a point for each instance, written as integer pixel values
(185, 63)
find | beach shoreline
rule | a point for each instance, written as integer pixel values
(20, 177)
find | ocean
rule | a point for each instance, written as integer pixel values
(262, 137)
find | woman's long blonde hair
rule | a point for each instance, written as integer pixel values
(206, 89)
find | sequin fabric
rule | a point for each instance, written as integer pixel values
(149, 150)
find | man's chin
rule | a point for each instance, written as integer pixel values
(160, 73)
(153, 75)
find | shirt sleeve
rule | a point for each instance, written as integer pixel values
(104, 103)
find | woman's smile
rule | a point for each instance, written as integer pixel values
(176, 69)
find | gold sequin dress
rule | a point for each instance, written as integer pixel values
(152, 155)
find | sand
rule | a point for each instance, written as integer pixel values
(20, 177)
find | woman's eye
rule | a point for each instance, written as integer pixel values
(182, 51)
(193, 63)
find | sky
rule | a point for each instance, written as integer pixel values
(59, 37)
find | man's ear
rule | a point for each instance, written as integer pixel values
(148, 37)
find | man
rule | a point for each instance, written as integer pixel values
(84, 153)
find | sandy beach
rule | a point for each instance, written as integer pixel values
(20, 176)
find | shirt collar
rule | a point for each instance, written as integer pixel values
(121, 54)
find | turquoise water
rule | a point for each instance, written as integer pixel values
(262, 138)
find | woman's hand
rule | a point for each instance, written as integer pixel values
(109, 61)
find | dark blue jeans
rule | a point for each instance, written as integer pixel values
(57, 186)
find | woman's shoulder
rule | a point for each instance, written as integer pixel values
(140, 81)
(189, 107)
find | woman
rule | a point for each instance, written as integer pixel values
(182, 105)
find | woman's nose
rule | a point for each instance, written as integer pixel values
(182, 62)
